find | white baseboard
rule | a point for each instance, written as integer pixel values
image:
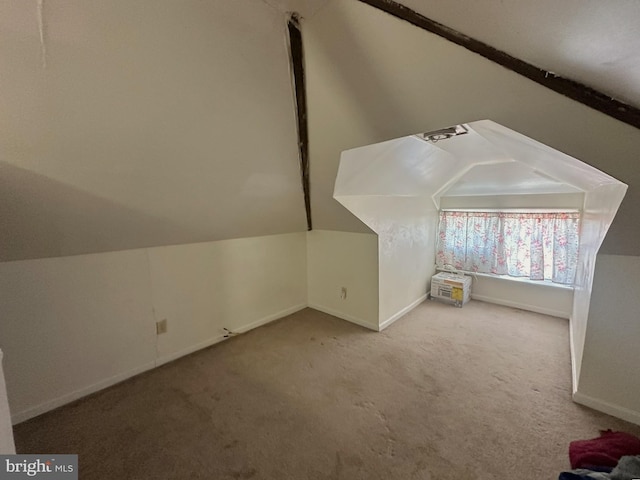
(344, 316)
(75, 395)
(83, 392)
(271, 318)
(606, 407)
(402, 312)
(189, 350)
(521, 306)
(219, 338)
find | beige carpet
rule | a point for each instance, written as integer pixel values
(481, 392)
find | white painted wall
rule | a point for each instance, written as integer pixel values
(555, 300)
(406, 229)
(388, 187)
(596, 219)
(98, 311)
(235, 284)
(6, 431)
(608, 378)
(344, 259)
(153, 122)
(364, 88)
(406, 233)
(73, 325)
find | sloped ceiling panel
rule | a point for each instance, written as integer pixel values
(593, 42)
(542, 159)
(130, 124)
(488, 159)
(366, 87)
(506, 179)
(305, 8)
(403, 167)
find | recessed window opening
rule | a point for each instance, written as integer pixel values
(534, 244)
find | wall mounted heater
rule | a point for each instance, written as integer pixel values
(452, 287)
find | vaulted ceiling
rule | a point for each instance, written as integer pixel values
(131, 124)
(592, 42)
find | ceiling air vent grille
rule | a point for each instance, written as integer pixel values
(444, 133)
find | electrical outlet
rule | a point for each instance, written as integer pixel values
(343, 293)
(161, 326)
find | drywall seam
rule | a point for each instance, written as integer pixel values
(345, 316)
(401, 313)
(41, 32)
(83, 392)
(522, 306)
(606, 407)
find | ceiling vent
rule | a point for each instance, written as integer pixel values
(443, 133)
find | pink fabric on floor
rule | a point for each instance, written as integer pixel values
(604, 451)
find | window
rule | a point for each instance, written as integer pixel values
(537, 245)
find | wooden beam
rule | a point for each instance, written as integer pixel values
(569, 88)
(297, 66)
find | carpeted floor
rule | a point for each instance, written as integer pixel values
(481, 392)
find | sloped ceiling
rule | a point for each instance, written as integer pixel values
(506, 179)
(488, 159)
(128, 124)
(306, 8)
(131, 124)
(592, 42)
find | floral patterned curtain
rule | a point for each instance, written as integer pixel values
(534, 245)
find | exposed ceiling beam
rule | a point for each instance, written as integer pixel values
(569, 88)
(297, 67)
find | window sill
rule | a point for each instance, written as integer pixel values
(507, 278)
